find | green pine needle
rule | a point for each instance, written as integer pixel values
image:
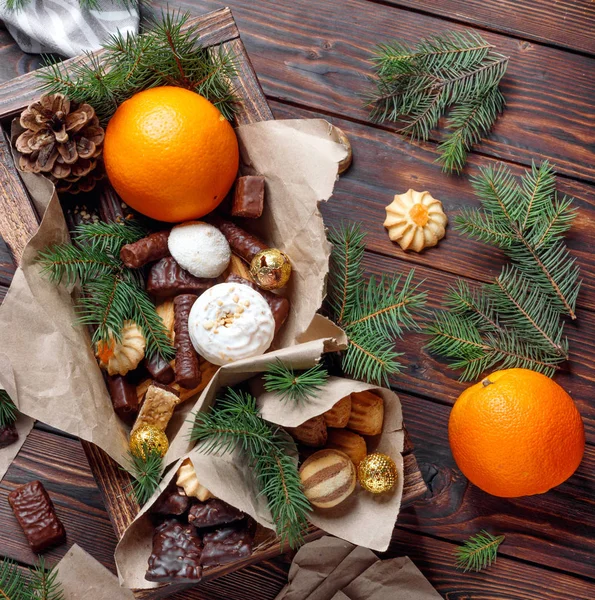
(8, 411)
(292, 386)
(146, 468)
(40, 584)
(112, 293)
(169, 53)
(478, 552)
(373, 313)
(43, 583)
(417, 86)
(12, 582)
(233, 422)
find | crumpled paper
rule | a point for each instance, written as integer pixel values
(363, 518)
(47, 363)
(332, 569)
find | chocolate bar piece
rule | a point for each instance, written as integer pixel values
(159, 369)
(8, 435)
(124, 398)
(242, 243)
(176, 553)
(35, 513)
(279, 305)
(173, 501)
(248, 197)
(225, 545)
(167, 278)
(151, 248)
(188, 374)
(213, 512)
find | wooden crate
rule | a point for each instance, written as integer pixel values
(19, 221)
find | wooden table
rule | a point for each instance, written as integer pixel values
(312, 58)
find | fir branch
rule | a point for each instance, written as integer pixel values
(13, 585)
(292, 386)
(416, 86)
(43, 583)
(108, 237)
(169, 53)
(8, 411)
(146, 468)
(478, 552)
(233, 422)
(473, 304)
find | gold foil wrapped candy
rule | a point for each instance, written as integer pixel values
(415, 220)
(270, 269)
(377, 473)
(148, 438)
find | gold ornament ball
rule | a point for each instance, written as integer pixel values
(150, 438)
(377, 473)
(270, 269)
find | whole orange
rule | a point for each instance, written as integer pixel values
(170, 154)
(516, 433)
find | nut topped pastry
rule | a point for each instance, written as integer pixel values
(415, 220)
(229, 322)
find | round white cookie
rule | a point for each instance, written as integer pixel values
(199, 248)
(231, 321)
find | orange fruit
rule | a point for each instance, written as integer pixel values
(516, 433)
(170, 154)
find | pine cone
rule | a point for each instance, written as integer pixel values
(63, 140)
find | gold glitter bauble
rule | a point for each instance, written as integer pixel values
(148, 437)
(377, 473)
(270, 269)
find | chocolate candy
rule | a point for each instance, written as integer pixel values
(35, 513)
(167, 278)
(159, 369)
(213, 512)
(248, 197)
(279, 305)
(176, 553)
(8, 435)
(242, 243)
(148, 249)
(173, 501)
(124, 398)
(225, 545)
(188, 374)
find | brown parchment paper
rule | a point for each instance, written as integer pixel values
(332, 569)
(46, 362)
(84, 578)
(363, 518)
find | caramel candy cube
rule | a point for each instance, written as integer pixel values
(248, 198)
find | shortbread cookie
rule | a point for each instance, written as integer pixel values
(310, 433)
(350, 443)
(338, 415)
(186, 478)
(367, 413)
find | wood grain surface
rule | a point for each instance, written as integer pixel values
(311, 59)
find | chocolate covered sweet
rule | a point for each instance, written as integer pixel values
(188, 374)
(230, 322)
(248, 197)
(166, 278)
(160, 369)
(8, 435)
(124, 398)
(173, 501)
(148, 249)
(176, 553)
(278, 304)
(225, 545)
(35, 513)
(213, 512)
(242, 243)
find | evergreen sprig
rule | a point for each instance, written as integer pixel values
(146, 468)
(458, 73)
(371, 312)
(233, 422)
(478, 552)
(8, 411)
(38, 584)
(294, 386)
(169, 53)
(112, 293)
(517, 320)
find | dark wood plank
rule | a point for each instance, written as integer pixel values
(566, 24)
(317, 54)
(397, 166)
(507, 579)
(455, 509)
